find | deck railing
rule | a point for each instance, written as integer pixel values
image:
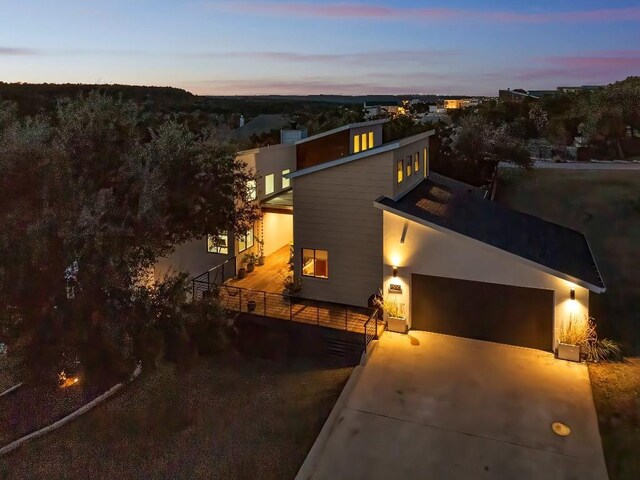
(371, 328)
(214, 276)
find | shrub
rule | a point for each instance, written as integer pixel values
(210, 327)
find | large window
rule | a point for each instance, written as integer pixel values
(416, 161)
(245, 240)
(400, 167)
(269, 184)
(362, 142)
(315, 263)
(218, 243)
(252, 189)
(286, 183)
(409, 166)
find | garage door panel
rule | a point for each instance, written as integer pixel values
(484, 311)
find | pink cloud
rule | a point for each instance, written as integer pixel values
(363, 11)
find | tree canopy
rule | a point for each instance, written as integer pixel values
(91, 196)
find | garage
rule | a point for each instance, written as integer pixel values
(484, 311)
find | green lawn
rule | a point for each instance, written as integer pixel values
(231, 418)
(616, 392)
(605, 205)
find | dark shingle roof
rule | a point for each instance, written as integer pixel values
(460, 208)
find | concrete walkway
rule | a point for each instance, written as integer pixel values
(433, 406)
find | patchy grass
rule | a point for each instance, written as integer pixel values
(605, 205)
(616, 392)
(227, 418)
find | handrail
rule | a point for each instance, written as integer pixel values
(367, 339)
(277, 305)
(205, 277)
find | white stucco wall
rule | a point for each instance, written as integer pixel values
(278, 231)
(431, 252)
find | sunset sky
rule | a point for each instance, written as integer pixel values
(366, 47)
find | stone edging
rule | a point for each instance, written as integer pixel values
(11, 389)
(85, 408)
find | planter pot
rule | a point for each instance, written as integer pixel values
(260, 261)
(569, 352)
(242, 272)
(398, 325)
(251, 305)
(250, 267)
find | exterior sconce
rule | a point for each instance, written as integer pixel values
(572, 294)
(395, 272)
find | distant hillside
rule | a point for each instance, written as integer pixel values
(34, 98)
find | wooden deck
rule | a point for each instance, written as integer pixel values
(269, 277)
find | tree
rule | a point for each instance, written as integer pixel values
(90, 198)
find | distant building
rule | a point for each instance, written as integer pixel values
(456, 103)
(520, 94)
(384, 109)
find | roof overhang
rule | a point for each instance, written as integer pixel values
(525, 261)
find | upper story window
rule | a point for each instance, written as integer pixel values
(315, 263)
(218, 243)
(245, 240)
(416, 161)
(409, 166)
(286, 182)
(362, 142)
(269, 184)
(400, 168)
(252, 189)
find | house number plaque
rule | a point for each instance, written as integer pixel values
(394, 288)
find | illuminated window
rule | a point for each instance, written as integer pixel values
(425, 161)
(269, 184)
(252, 190)
(370, 139)
(286, 183)
(416, 161)
(409, 166)
(356, 143)
(400, 170)
(315, 263)
(245, 240)
(363, 141)
(218, 243)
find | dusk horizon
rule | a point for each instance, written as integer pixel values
(304, 48)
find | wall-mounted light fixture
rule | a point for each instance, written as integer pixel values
(572, 294)
(394, 272)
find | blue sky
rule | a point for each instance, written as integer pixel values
(304, 47)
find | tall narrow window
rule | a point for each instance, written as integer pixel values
(245, 240)
(252, 190)
(363, 141)
(425, 161)
(315, 263)
(286, 183)
(370, 139)
(400, 167)
(269, 184)
(416, 161)
(218, 243)
(409, 166)
(356, 143)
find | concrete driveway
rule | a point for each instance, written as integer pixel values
(430, 406)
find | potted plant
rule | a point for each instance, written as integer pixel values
(573, 334)
(242, 271)
(394, 311)
(251, 304)
(250, 259)
(292, 285)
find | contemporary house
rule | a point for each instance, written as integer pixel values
(363, 215)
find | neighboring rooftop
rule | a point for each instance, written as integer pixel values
(264, 123)
(442, 202)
